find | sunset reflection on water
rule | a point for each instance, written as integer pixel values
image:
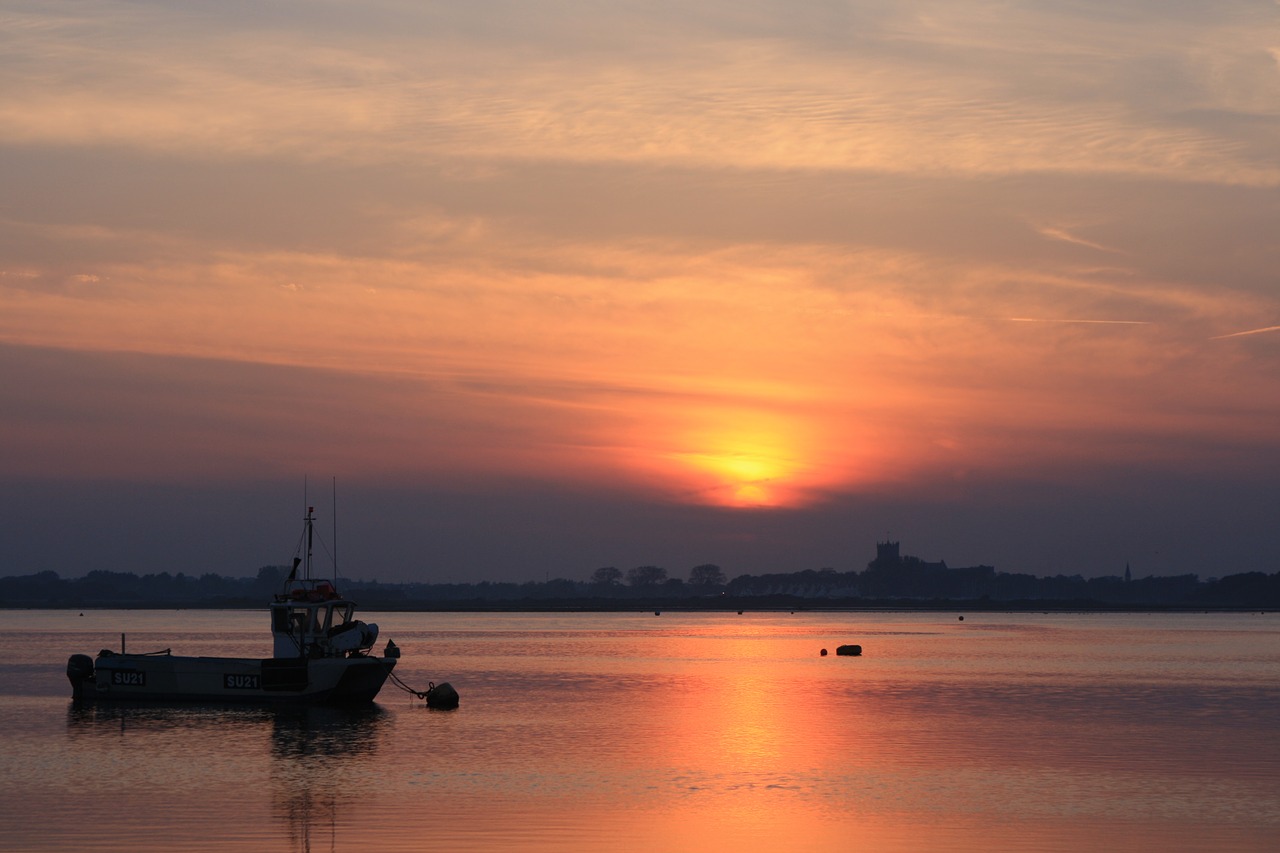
(690, 732)
(749, 715)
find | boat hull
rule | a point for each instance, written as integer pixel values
(172, 678)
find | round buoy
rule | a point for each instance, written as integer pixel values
(657, 613)
(442, 696)
(824, 653)
(739, 612)
(961, 618)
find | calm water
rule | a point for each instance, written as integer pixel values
(672, 733)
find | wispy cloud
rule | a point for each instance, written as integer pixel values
(643, 242)
(947, 100)
(1261, 331)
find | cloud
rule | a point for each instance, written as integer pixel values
(747, 252)
(946, 102)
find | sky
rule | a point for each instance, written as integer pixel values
(534, 288)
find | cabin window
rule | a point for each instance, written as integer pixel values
(295, 620)
(341, 615)
(299, 620)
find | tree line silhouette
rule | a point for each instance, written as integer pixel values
(893, 582)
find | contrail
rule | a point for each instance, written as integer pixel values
(1096, 322)
(1067, 237)
(1247, 332)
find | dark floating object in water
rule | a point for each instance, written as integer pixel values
(824, 653)
(851, 650)
(442, 696)
(961, 618)
(657, 613)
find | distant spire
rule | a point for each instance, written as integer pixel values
(1127, 576)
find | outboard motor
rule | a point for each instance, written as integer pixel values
(79, 670)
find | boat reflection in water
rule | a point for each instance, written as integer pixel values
(320, 759)
(323, 763)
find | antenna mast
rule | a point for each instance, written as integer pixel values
(306, 563)
(335, 532)
(311, 511)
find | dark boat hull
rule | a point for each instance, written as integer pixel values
(171, 678)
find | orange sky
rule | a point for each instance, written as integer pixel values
(756, 258)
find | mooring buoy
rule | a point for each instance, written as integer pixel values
(442, 696)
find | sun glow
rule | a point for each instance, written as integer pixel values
(753, 461)
(742, 477)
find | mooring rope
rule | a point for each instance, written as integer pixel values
(421, 694)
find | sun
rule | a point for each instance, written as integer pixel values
(745, 467)
(753, 494)
(742, 457)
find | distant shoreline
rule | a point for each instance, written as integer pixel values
(659, 607)
(892, 581)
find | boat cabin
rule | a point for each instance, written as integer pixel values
(310, 619)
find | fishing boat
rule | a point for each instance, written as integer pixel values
(321, 655)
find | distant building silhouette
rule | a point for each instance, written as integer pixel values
(892, 575)
(889, 556)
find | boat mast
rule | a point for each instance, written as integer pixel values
(306, 531)
(336, 533)
(306, 553)
(306, 564)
